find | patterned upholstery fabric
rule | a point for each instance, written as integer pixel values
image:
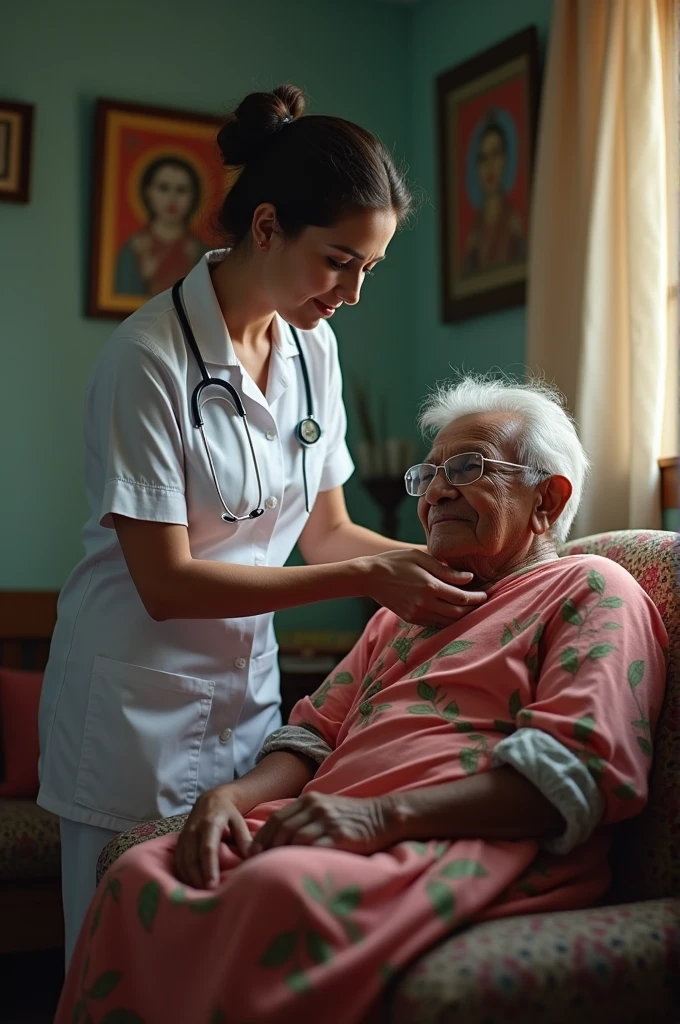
(604, 966)
(29, 841)
(124, 840)
(646, 858)
(607, 965)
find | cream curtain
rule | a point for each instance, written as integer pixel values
(602, 310)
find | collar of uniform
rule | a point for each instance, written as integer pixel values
(205, 315)
(207, 322)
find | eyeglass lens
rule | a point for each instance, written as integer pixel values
(460, 470)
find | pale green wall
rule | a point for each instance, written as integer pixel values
(372, 62)
(61, 56)
(445, 33)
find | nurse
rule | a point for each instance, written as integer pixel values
(162, 680)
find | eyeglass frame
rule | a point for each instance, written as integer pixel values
(500, 462)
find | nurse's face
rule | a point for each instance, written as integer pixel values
(311, 276)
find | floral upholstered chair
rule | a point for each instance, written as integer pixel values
(614, 964)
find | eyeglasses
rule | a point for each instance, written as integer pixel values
(460, 470)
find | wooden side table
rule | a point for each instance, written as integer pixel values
(670, 492)
(306, 659)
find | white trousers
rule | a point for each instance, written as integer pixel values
(80, 848)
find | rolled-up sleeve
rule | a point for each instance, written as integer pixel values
(338, 466)
(140, 440)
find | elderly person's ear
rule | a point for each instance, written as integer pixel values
(551, 497)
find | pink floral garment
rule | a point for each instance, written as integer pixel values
(574, 648)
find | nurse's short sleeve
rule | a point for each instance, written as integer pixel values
(338, 466)
(133, 401)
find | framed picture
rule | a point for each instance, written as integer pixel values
(158, 182)
(487, 111)
(16, 131)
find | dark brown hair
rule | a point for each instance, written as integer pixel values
(314, 170)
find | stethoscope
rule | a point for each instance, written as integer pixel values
(307, 431)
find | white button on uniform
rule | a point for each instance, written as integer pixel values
(225, 735)
(270, 435)
(240, 662)
(271, 503)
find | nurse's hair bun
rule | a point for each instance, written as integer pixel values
(255, 122)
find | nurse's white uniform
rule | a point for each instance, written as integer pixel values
(137, 717)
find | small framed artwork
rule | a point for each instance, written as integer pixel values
(16, 131)
(487, 111)
(158, 182)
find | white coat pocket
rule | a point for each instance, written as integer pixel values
(142, 740)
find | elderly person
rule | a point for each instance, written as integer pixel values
(441, 775)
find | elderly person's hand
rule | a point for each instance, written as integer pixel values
(340, 822)
(214, 815)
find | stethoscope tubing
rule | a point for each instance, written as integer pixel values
(307, 426)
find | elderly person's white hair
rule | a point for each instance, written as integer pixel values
(547, 442)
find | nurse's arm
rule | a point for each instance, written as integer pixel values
(172, 584)
(331, 536)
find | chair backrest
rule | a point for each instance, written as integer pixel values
(646, 850)
(27, 619)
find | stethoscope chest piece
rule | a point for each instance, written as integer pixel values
(308, 431)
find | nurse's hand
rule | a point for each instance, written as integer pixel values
(360, 825)
(419, 589)
(215, 815)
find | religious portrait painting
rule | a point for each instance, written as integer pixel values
(487, 127)
(158, 183)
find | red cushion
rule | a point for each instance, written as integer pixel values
(19, 698)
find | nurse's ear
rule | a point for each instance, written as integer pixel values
(264, 226)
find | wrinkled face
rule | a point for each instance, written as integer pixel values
(488, 521)
(491, 162)
(170, 194)
(309, 277)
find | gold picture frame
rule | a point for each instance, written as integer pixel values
(16, 145)
(158, 182)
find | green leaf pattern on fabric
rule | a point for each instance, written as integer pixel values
(626, 791)
(573, 658)
(455, 647)
(402, 645)
(515, 628)
(373, 675)
(469, 756)
(514, 704)
(443, 899)
(279, 950)
(148, 903)
(636, 672)
(583, 727)
(340, 679)
(439, 890)
(298, 949)
(367, 711)
(105, 984)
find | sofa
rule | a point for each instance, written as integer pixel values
(618, 963)
(30, 863)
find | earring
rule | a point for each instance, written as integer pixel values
(263, 246)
